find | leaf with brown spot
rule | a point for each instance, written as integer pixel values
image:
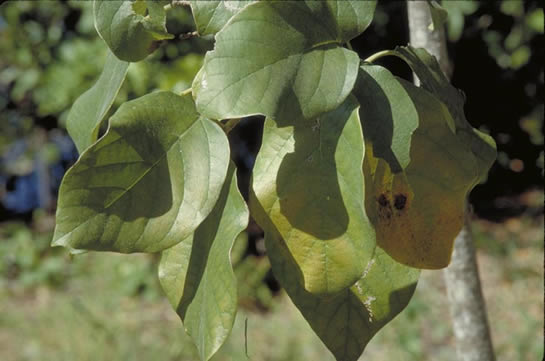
(420, 164)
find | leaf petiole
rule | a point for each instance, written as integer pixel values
(378, 55)
(187, 91)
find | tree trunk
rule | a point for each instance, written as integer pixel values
(466, 302)
(422, 37)
(467, 308)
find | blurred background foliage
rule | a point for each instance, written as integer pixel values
(49, 305)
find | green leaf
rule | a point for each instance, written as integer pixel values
(439, 15)
(308, 186)
(197, 274)
(148, 182)
(346, 320)
(352, 16)
(210, 16)
(418, 169)
(280, 59)
(91, 107)
(130, 33)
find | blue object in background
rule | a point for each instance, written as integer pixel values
(24, 196)
(39, 188)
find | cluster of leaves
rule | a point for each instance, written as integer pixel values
(360, 181)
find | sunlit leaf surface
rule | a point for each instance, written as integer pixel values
(308, 186)
(211, 15)
(148, 182)
(197, 275)
(282, 59)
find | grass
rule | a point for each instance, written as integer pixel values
(109, 307)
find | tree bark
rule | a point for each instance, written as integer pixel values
(466, 302)
(421, 37)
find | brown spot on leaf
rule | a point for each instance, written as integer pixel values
(382, 200)
(399, 201)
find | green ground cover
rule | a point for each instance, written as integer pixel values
(100, 306)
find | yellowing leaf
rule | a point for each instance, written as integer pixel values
(346, 320)
(433, 80)
(419, 168)
(308, 185)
